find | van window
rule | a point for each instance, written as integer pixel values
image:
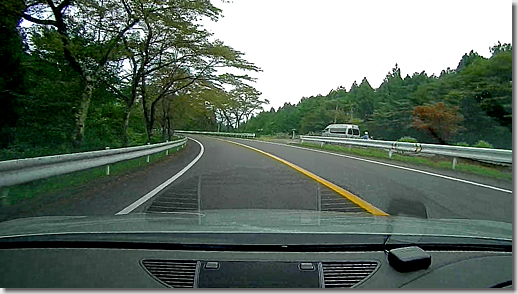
(338, 131)
(356, 132)
(349, 131)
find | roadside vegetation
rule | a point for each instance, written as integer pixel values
(54, 185)
(464, 105)
(84, 75)
(439, 162)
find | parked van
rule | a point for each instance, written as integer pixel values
(342, 130)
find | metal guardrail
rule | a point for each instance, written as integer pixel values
(19, 171)
(485, 154)
(244, 135)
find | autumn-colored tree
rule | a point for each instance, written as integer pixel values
(440, 120)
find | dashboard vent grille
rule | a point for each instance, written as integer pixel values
(346, 274)
(177, 274)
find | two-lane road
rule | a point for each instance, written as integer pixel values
(215, 173)
(229, 176)
(394, 189)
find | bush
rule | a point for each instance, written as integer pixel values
(283, 136)
(463, 144)
(482, 144)
(407, 139)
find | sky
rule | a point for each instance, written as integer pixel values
(306, 48)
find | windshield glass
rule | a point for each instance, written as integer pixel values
(118, 108)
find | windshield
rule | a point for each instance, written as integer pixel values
(204, 107)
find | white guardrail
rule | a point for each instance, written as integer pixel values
(485, 154)
(244, 135)
(19, 171)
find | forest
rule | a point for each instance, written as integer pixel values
(84, 75)
(461, 106)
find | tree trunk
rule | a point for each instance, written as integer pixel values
(164, 131)
(86, 98)
(169, 135)
(149, 127)
(436, 136)
(147, 116)
(125, 124)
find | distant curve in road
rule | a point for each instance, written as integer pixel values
(228, 176)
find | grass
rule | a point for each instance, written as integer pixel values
(60, 183)
(466, 166)
(19, 152)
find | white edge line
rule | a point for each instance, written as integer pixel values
(155, 191)
(390, 165)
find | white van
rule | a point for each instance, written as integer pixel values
(342, 130)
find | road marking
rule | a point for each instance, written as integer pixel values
(353, 198)
(155, 191)
(392, 165)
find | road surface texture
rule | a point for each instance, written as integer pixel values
(229, 176)
(394, 190)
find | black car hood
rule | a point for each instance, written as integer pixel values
(256, 222)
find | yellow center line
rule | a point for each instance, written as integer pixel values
(351, 197)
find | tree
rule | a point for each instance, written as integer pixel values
(87, 33)
(11, 77)
(468, 59)
(441, 121)
(498, 48)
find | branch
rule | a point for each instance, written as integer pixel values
(39, 21)
(117, 92)
(63, 4)
(113, 42)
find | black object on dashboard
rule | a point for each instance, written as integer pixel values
(407, 259)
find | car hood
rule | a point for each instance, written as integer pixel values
(257, 222)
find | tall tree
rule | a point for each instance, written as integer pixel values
(87, 33)
(11, 77)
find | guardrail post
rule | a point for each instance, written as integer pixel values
(147, 157)
(390, 153)
(5, 192)
(454, 162)
(108, 166)
(349, 147)
(321, 144)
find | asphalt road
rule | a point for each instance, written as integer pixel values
(233, 177)
(228, 176)
(396, 190)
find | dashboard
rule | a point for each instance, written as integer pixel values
(78, 266)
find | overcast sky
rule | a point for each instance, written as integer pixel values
(306, 48)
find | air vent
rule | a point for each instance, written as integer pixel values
(174, 273)
(346, 274)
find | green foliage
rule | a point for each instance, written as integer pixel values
(12, 74)
(462, 144)
(483, 144)
(114, 74)
(479, 93)
(407, 139)
(472, 168)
